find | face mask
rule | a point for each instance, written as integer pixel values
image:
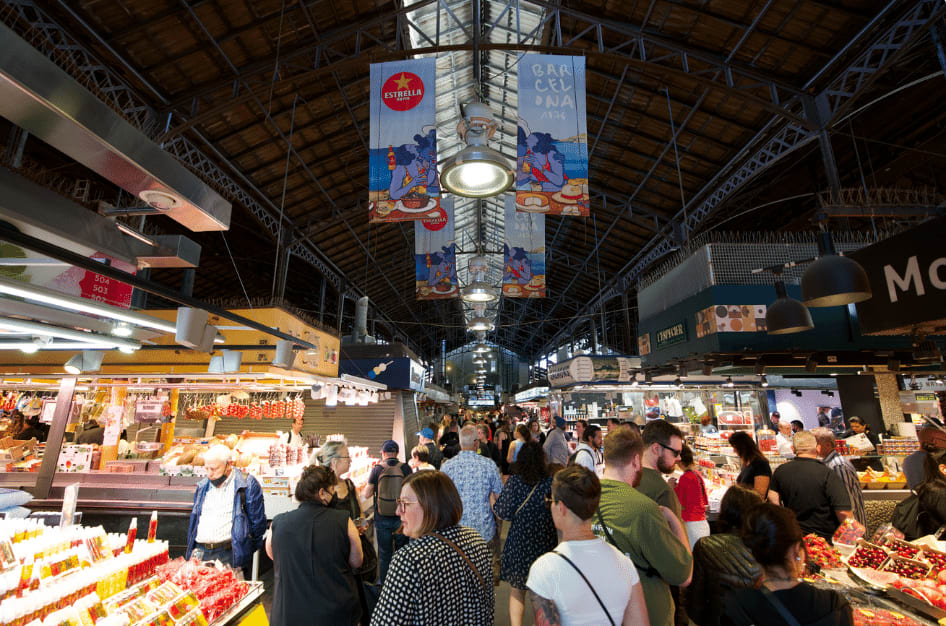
(216, 482)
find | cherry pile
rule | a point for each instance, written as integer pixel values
(904, 549)
(906, 569)
(867, 557)
(938, 559)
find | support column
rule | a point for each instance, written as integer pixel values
(888, 392)
(818, 110)
(322, 302)
(114, 413)
(47, 470)
(167, 428)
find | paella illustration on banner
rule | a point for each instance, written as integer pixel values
(402, 164)
(552, 164)
(435, 255)
(523, 253)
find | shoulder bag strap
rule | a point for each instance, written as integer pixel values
(527, 498)
(587, 582)
(782, 611)
(649, 570)
(353, 500)
(457, 549)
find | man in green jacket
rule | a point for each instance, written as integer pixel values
(652, 536)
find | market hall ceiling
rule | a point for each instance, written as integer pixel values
(689, 105)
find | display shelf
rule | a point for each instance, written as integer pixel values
(231, 615)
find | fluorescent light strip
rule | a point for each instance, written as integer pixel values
(131, 232)
(65, 345)
(65, 333)
(53, 298)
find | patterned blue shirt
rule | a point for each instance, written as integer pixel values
(475, 477)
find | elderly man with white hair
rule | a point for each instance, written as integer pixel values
(843, 468)
(228, 521)
(812, 490)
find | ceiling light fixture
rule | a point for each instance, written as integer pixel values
(833, 280)
(479, 291)
(729, 382)
(122, 330)
(786, 315)
(131, 232)
(47, 330)
(85, 361)
(477, 171)
(479, 323)
(481, 348)
(765, 381)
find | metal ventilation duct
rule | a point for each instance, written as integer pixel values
(40, 97)
(41, 213)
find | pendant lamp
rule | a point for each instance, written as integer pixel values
(786, 315)
(477, 171)
(833, 280)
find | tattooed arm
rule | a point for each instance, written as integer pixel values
(546, 613)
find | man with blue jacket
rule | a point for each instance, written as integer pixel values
(228, 520)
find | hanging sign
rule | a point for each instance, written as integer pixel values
(402, 160)
(671, 335)
(435, 255)
(523, 253)
(587, 369)
(907, 274)
(552, 165)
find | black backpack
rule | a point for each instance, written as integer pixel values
(911, 519)
(389, 490)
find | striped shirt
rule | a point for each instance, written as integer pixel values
(848, 476)
(216, 514)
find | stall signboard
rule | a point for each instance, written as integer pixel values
(402, 160)
(531, 394)
(907, 274)
(552, 164)
(671, 335)
(71, 280)
(395, 372)
(593, 369)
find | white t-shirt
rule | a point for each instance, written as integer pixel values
(784, 445)
(609, 571)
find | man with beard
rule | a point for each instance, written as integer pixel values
(652, 536)
(663, 443)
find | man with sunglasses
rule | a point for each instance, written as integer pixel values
(663, 443)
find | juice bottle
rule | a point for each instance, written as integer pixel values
(152, 526)
(132, 531)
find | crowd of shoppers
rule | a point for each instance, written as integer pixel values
(600, 536)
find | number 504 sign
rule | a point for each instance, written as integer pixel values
(103, 289)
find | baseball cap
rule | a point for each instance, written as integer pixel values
(426, 432)
(390, 446)
(559, 421)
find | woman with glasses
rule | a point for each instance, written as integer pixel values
(443, 576)
(585, 580)
(314, 549)
(532, 532)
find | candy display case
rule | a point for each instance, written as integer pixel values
(75, 575)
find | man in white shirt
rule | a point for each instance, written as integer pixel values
(588, 453)
(562, 579)
(294, 438)
(784, 439)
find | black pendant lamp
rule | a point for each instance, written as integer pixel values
(786, 315)
(833, 280)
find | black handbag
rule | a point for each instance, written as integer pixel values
(368, 572)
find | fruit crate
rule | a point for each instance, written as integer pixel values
(906, 568)
(915, 604)
(936, 558)
(868, 555)
(903, 548)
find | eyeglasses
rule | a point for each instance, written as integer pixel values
(676, 453)
(403, 504)
(550, 501)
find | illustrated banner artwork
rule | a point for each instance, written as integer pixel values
(552, 165)
(523, 253)
(435, 255)
(402, 160)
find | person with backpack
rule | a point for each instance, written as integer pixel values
(930, 508)
(777, 542)
(588, 454)
(384, 484)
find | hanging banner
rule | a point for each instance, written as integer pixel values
(435, 255)
(552, 166)
(402, 160)
(523, 253)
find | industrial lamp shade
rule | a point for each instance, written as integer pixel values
(479, 323)
(477, 171)
(786, 315)
(478, 291)
(833, 280)
(481, 348)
